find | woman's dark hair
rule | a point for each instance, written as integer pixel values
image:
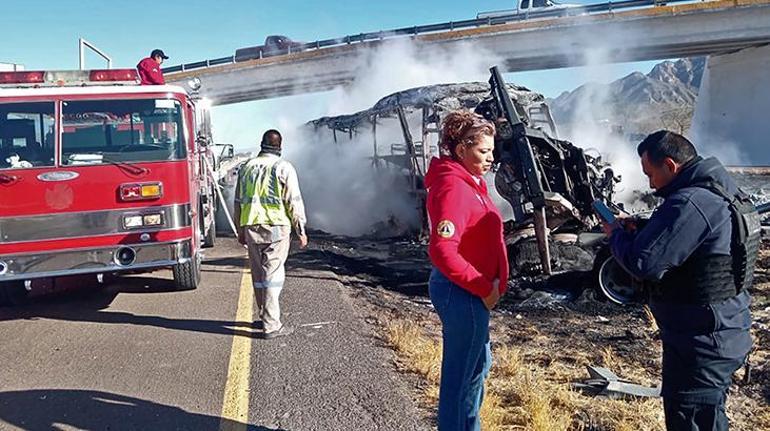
(664, 143)
(463, 128)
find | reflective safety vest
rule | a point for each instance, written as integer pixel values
(261, 194)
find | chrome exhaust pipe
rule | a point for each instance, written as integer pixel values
(125, 256)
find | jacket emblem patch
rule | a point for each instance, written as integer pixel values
(445, 229)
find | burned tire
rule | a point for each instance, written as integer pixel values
(187, 275)
(614, 283)
(602, 255)
(13, 293)
(524, 257)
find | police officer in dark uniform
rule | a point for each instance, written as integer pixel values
(696, 254)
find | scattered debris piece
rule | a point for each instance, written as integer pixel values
(318, 324)
(605, 383)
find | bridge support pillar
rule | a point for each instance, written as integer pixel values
(732, 119)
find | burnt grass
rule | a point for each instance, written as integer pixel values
(555, 320)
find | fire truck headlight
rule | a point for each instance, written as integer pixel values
(132, 221)
(153, 219)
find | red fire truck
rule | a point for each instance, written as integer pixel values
(100, 175)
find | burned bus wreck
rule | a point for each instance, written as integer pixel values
(545, 186)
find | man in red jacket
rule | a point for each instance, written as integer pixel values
(149, 68)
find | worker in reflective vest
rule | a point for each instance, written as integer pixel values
(268, 204)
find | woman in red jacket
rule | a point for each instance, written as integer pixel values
(470, 264)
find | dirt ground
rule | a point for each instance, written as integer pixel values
(556, 332)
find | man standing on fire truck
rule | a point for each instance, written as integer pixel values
(268, 204)
(149, 68)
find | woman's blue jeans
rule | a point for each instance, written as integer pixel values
(466, 357)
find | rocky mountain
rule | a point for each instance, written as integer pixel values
(639, 103)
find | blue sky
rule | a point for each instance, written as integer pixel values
(44, 34)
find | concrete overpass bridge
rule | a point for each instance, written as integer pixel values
(638, 30)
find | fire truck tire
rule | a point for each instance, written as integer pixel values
(187, 275)
(12, 293)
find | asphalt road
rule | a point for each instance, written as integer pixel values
(134, 355)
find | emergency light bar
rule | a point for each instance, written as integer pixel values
(21, 77)
(69, 78)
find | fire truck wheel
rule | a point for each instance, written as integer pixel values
(13, 293)
(187, 275)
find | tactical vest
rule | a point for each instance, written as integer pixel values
(709, 279)
(262, 194)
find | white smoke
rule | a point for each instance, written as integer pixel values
(592, 128)
(400, 65)
(343, 192)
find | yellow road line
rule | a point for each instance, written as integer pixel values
(235, 406)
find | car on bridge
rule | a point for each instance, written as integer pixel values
(274, 45)
(528, 6)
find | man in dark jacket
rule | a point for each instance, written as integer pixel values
(149, 68)
(684, 251)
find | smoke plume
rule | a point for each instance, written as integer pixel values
(344, 193)
(592, 129)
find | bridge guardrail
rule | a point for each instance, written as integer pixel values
(445, 26)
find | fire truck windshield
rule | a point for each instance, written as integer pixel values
(110, 131)
(26, 135)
